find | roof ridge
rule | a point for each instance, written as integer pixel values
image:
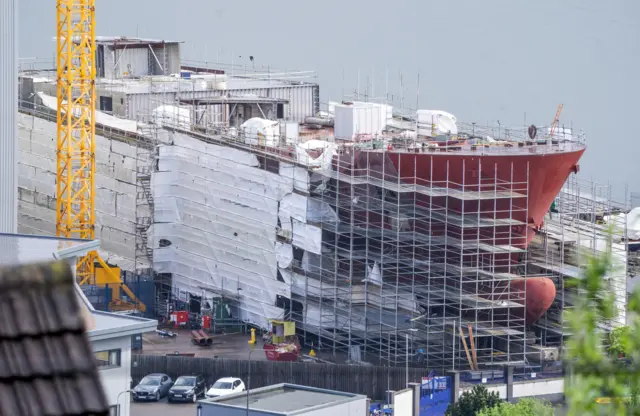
(43, 273)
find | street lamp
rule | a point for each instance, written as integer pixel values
(118, 398)
(252, 348)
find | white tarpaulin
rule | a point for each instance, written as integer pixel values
(103, 119)
(307, 237)
(258, 131)
(322, 161)
(436, 121)
(217, 214)
(284, 254)
(633, 224)
(169, 115)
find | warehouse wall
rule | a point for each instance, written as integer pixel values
(115, 188)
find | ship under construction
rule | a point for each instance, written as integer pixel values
(384, 233)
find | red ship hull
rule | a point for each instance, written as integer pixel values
(534, 175)
(539, 176)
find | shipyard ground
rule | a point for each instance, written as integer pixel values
(231, 346)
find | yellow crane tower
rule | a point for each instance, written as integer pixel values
(75, 185)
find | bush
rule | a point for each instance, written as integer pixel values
(524, 407)
(474, 401)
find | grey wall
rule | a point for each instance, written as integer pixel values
(115, 187)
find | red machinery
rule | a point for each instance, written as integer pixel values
(282, 344)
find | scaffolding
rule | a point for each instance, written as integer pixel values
(419, 260)
(584, 221)
(145, 164)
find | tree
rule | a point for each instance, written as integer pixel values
(471, 402)
(619, 341)
(593, 356)
(524, 407)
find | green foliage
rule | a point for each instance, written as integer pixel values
(595, 371)
(471, 402)
(524, 407)
(619, 340)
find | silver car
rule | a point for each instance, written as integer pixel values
(152, 387)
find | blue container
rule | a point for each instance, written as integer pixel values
(144, 289)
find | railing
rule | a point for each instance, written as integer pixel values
(250, 70)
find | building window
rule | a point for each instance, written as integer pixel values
(106, 104)
(110, 358)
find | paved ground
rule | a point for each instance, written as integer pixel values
(224, 346)
(232, 346)
(163, 408)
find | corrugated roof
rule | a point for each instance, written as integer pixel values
(20, 249)
(132, 40)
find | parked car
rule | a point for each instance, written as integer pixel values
(152, 387)
(187, 389)
(224, 386)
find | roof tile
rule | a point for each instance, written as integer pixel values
(47, 366)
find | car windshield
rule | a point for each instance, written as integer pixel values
(150, 381)
(185, 381)
(222, 385)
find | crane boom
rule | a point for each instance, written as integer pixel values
(76, 145)
(76, 73)
(556, 120)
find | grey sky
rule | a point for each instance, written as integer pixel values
(480, 60)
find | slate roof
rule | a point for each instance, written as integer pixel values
(47, 366)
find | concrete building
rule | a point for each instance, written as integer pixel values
(111, 341)
(110, 334)
(286, 400)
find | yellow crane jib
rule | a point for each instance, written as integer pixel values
(75, 144)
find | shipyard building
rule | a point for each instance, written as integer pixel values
(386, 234)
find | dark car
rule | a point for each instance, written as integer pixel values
(152, 387)
(187, 389)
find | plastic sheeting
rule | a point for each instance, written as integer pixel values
(298, 175)
(307, 237)
(217, 219)
(323, 161)
(294, 206)
(258, 131)
(321, 211)
(217, 214)
(169, 115)
(284, 254)
(633, 224)
(441, 121)
(103, 119)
